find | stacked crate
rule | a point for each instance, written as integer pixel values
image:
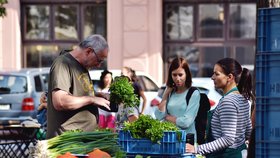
(171, 145)
(268, 83)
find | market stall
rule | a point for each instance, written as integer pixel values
(16, 138)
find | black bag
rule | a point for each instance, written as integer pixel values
(201, 117)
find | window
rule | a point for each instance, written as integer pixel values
(203, 31)
(48, 27)
(13, 84)
(45, 78)
(179, 22)
(242, 20)
(37, 22)
(38, 83)
(65, 24)
(147, 84)
(211, 21)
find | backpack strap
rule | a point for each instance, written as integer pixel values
(189, 94)
(168, 101)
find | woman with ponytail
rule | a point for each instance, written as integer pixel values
(229, 124)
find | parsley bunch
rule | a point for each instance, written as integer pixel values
(122, 91)
(147, 127)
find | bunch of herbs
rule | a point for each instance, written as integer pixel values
(147, 127)
(122, 92)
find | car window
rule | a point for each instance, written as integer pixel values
(161, 91)
(45, 78)
(13, 84)
(38, 84)
(147, 84)
(203, 90)
(95, 84)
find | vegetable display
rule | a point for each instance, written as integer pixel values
(147, 127)
(97, 153)
(78, 142)
(122, 91)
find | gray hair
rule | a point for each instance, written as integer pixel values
(97, 42)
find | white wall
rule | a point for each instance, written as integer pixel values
(10, 37)
(135, 35)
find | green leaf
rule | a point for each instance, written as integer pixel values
(147, 127)
(2, 8)
(122, 91)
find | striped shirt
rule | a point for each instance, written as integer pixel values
(230, 124)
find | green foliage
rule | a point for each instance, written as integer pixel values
(122, 91)
(79, 142)
(147, 127)
(2, 8)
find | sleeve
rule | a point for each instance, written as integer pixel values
(139, 87)
(191, 111)
(132, 111)
(159, 114)
(228, 121)
(60, 76)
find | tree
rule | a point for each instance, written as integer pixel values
(2, 8)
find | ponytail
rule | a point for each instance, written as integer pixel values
(245, 84)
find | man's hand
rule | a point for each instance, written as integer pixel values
(103, 95)
(99, 101)
(62, 100)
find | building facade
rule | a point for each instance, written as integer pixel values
(143, 34)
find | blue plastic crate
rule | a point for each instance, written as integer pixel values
(267, 116)
(268, 74)
(187, 155)
(169, 144)
(268, 35)
(267, 149)
(267, 104)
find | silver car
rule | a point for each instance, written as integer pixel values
(20, 92)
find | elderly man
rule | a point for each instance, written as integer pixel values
(71, 100)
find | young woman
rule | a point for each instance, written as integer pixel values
(173, 107)
(106, 119)
(124, 114)
(229, 124)
(130, 73)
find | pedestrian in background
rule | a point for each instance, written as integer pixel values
(106, 119)
(130, 114)
(42, 116)
(229, 124)
(138, 90)
(42, 110)
(71, 100)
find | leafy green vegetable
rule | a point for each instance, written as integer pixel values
(79, 142)
(147, 127)
(122, 91)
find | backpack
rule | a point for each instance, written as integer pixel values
(201, 117)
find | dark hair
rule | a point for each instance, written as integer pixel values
(243, 77)
(133, 75)
(175, 64)
(103, 74)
